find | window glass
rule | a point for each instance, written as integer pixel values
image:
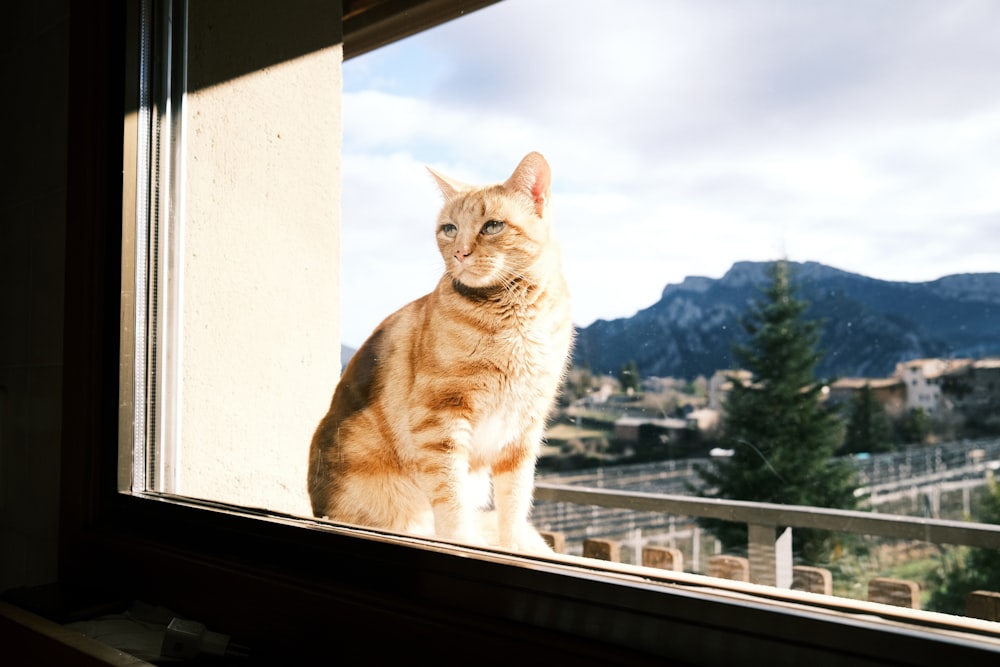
(691, 144)
(243, 249)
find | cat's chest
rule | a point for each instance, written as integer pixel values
(525, 360)
(526, 376)
(496, 429)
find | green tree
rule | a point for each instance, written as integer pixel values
(965, 570)
(868, 427)
(782, 435)
(629, 377)
(915, 427)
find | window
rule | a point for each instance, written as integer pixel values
(242, 273)
(545, 605)
(766, 143)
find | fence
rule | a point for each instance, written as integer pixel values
(769, 549)
(583, 513)
(908, 482)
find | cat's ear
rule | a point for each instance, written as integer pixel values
(533, 178)
(449, 186)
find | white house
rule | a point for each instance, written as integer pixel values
(922, 381)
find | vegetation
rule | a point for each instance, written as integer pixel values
(781, 433)
(915, 427)
(782, 436)
(868, 426)
(579, 383)
(629, 377)
(970, 569)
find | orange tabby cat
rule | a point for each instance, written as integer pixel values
(453, 390)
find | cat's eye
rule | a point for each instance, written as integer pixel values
(449, 230)
(493, 227)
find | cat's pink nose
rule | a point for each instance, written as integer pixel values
(461, 254)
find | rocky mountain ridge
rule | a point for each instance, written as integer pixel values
(867, 325)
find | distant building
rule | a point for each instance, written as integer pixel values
(720, 384)
(973, 392)
(889, 392)
(628, 428)
(657, 385)
(607, 387)
(963, 393)
(703, 419)
(923, 379)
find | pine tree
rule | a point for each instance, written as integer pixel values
(782, 435)
(629, 377)
(915, 427)
(868, 427)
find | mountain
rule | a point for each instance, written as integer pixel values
(345, 355)
(867, 325)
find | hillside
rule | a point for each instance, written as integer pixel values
(868, 325)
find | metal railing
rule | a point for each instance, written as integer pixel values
(769, 543)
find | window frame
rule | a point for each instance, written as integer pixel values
(289, 587)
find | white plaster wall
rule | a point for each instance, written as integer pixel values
(261, 335)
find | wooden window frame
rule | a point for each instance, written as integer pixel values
(291, 589)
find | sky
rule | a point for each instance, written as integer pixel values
(683, 136)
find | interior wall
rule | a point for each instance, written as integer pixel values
(34, 69)
(34, 66)
(259, 351)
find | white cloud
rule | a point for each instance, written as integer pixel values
(685, 136)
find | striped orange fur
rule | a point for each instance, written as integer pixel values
(449, 396)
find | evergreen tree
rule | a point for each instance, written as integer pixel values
(868, 427)
(629, 377)
(915, 427)
(782, 435)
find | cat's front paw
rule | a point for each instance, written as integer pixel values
(528, 540)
